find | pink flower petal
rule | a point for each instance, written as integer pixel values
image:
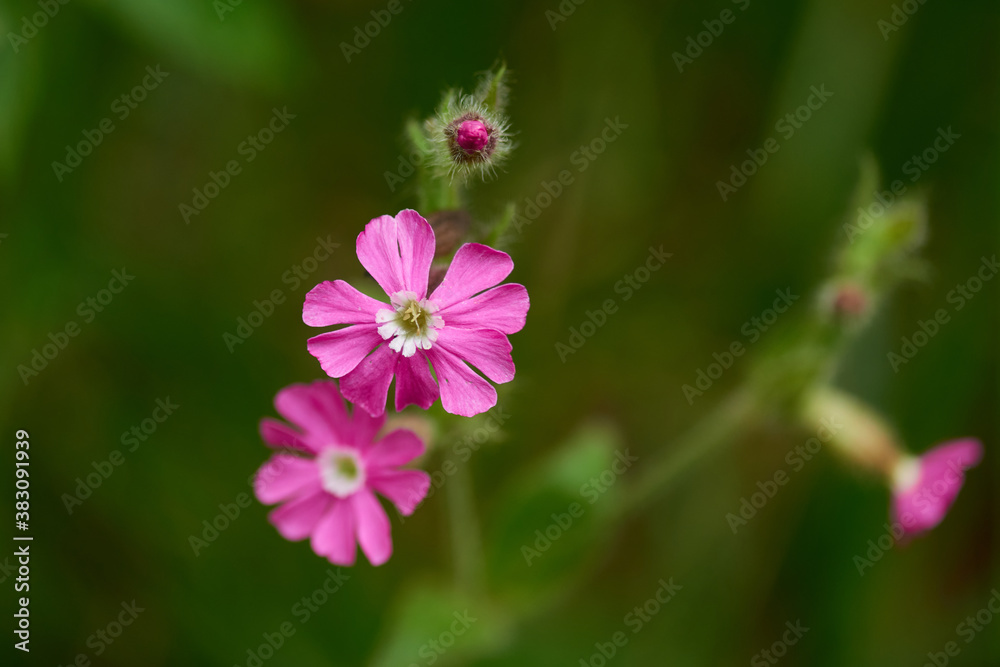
(334, 534)
(364, 428)
(504, 308)
(416, 250)
(378, 252)
(462, 391)
(339, 352)
(397, 252)
(296, 519)
(315, 408)
(285, 476)
(923, 503)
(486, 349)
(397, 448)
(280, 434)
(964, 453)
(336, 302)
(475, 268)
(367, 386)
(414, 383)
(405, 488)
(373, 527)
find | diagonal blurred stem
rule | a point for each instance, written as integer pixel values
(716, 430)
(867, 267)
(779, 383)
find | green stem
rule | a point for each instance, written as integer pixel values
(438, 192)
(466, 540)
(435, 191)
(495, 236)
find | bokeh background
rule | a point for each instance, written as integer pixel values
(324, 176)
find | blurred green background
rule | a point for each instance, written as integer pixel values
(325, 176)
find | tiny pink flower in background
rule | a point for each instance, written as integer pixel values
(924, 487)
(327, 490)
(465, 320)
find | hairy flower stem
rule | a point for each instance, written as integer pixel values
(433, 192)
(442, 189)
(466, 540)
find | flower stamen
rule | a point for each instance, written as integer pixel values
(341, 470)
(411, 325)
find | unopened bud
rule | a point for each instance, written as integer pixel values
(469, 132)
(472, 136)
(850, 300)
(472, 140)
(845, 301)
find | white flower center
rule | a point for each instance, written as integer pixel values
(906, 473)
(411, 324)
(341, 470)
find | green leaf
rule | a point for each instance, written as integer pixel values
(554, 521)
(493, 89)
(20, 75)
(436, 621)
(251, 43)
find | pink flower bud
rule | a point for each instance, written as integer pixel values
(850, 300)
(472, 136)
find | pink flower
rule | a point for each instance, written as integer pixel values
(463, 321)
(925, 487)
(328, 492)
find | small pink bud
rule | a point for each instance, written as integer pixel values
(473, 142)
(850, 300)
(472, 136)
